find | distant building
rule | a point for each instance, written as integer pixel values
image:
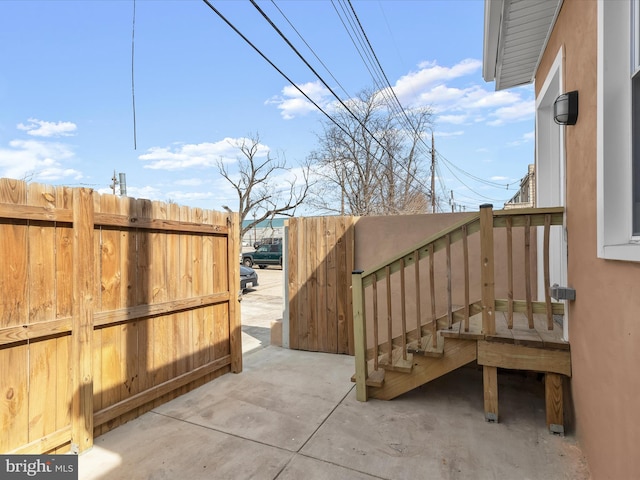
(273, 228)
(526, 196)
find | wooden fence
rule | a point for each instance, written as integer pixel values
(320, 261)
(110, 306)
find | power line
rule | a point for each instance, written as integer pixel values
(348, 110)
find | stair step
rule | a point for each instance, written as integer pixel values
(375, 378)
(398, 363)
(426, 348)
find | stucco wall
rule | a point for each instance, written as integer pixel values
(604, 324)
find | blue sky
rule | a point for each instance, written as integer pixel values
(66, 115)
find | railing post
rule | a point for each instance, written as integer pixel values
(487, 270)
(359, 335)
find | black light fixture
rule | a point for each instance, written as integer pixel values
(565, 108)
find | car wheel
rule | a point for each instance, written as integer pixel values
(247, 262)
(262, 266)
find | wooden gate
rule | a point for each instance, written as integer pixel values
(320, 262)
(109, 307)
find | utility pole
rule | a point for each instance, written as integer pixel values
(453, 205)
(433, 175)
(120, 180)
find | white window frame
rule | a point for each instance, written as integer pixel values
(614, 157)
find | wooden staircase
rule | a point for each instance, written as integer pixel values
(510, 334)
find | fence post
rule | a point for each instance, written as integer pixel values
(360, 336)
(487, 270)
(82, 320)
(233, 260)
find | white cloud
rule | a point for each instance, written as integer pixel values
(203, 155)
(42, 161)
(292, 103)
(457, 133)
(498, 178)
(526, 138)
(190, 182)
(410, 87)
(41, 128)
(515, 112)
(453, 119)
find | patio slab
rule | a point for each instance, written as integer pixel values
(293, 414)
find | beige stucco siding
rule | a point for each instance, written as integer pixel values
(604, 327)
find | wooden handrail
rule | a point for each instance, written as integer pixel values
(484, 223)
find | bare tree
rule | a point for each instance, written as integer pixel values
(262, 192)
(362, 175)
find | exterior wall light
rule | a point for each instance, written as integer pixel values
(565, 108)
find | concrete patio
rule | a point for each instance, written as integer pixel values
(292, 415)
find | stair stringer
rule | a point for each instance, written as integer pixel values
(457, 353)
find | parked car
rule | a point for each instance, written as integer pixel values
(247, 276)
(267, 241)
(263, 256)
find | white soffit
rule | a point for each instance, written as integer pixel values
(515, 35)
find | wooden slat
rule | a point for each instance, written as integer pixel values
(449, 301)
(527, 269)
(294, 283)
(389, 315)
(350, 265)
(403, 311)
(82, 352)
(13, 268)
(360, 336)
(519, 357)
(45, 443)
(376, 320)
(235, 324)
(332, 285)
(547, 282)
(487, 270)
(535, 217)
(344, 270)
(302, 295)
(163, 224)
(510, 272)
(321, 284)
(432, 291)
(523, 306)
(310, 308)
(34, 212)
(465, 250)
(417, 295)
(106, 414)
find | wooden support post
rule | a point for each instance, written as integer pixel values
(487, 270)
(82, 321)
(359, 336)
(490, 382)
(235, 325)
(554, 402)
